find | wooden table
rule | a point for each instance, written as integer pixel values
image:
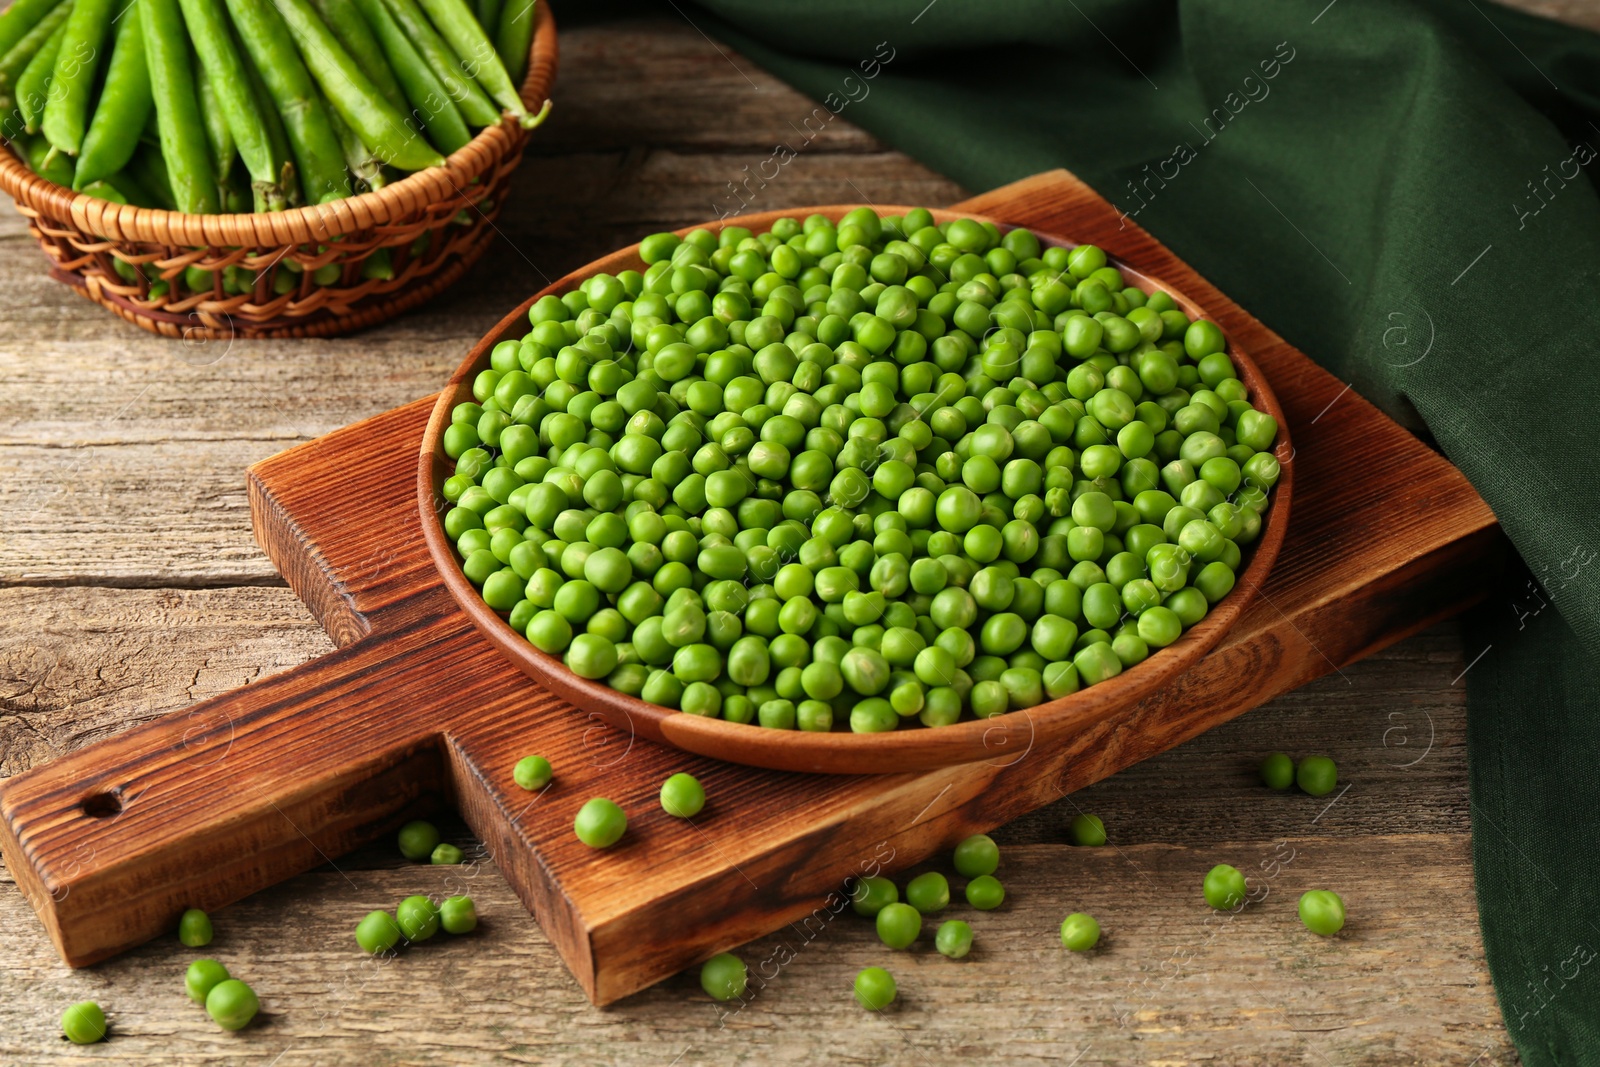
(130, 587)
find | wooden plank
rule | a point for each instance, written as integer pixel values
(1172, 983)
(770, 868)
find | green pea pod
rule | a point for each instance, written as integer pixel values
(487, 12)
(318, 161)
(282, 154)
(350, 27)
(234, 121)
(21, 17)
(66, 112)
(430, 103)
(11, 128)
(190, 175)
(475, 105)
(150, 171)
(124, 106)
(366, 168)
(33, 88)
(48, 163)
(457, 26)
(380, 126)
(515, 37)
(16, 58)
(218, 136)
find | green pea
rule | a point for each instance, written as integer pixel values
(1277, 771)
(869, 896)
(458, 915)
(84, 1023)
(928, 892)
(1317, 775)
(194, 928)
(417, 918)
(976, 855)
(1080, 932)
(873, 715)
(1322, 912)
(378, 932)
(682, 796)
(985, 892)
(1224, 887)
(1087, 830)
(418, 839)
(724, 976)
(232, 1004)
(600, 823)
(898, 925)
(203, 976)
(874, 988)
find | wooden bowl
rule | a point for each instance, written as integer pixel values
(1004, 738)
(454, 206)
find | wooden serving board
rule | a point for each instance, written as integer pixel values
(416, 710)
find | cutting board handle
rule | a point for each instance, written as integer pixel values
(204, 807)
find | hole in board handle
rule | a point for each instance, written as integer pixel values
(101, 805)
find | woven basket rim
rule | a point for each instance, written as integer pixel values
(112, 221)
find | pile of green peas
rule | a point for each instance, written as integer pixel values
(864, 473)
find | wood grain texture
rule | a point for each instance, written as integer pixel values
(1171, 983)
(316, 760)
(134, 588)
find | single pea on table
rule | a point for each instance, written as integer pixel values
(865, 475)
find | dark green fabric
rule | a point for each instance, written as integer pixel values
(1410, 200)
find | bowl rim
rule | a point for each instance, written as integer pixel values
(1003, 739)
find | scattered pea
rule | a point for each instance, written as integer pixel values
(1224, 887)
(985, 892)
(898, 925)
(194, 928)
(600, 823)
(1087, 830)
(378, 932)
(724, 976)
(871, 895)
(458, 915)
(1317, 775)
(532, 773)
(875, 988)
(1080, 932)
(418, 839)
(1322, 911)
(201, 977)
(682, 796)
(232, 1004)
(445, 854)
(977, 855)
(84, 1023)
(954, 939)
(1277, 771)
(417, 918)
(928, 892)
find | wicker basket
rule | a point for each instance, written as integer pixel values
(455, 205)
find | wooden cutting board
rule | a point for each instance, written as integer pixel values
(416, 710)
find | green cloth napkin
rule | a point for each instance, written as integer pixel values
(1405, 190)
